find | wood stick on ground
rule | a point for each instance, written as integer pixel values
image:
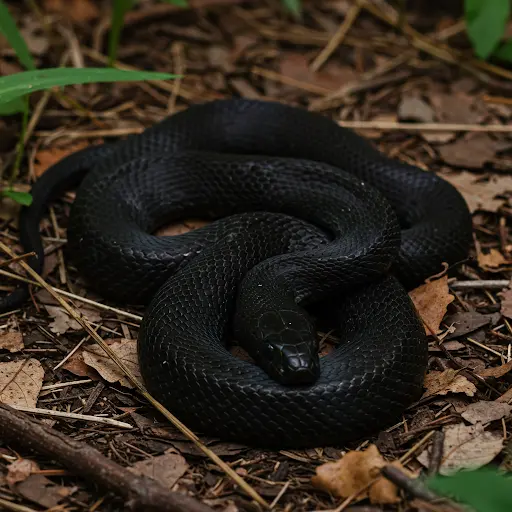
(140, 492)
(139, 385)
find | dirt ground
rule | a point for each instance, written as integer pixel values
(369, 70)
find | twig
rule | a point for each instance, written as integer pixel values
(338, 37)
(436, 452)
(17, 258)
(72, 416)
(489, 284)
(65, 384)
(70, 295)
(140, 492)
(117, 360)
(15, 507)
(426, 127)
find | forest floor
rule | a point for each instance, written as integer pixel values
(416, 93)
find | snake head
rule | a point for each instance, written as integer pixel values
(288, 350)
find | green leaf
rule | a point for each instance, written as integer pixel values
(485, 22)
(120, 8)
(179, 3)
(484, 490)
(504, 52)
(294, 6)
(19, 84)
(23, 198)
(11, 32)
(16, 106)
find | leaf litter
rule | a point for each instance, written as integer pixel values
(219, 63)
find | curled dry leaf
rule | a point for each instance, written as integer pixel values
(167, 468)
(466, 447)
(358, 472)
(480, 194)
(486, 411)
(21, 382)
(449, 381)
(126, 350)
(431, 300)
(495, 371)
(491, 260)
(11, 341)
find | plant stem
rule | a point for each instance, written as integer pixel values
(20, 147)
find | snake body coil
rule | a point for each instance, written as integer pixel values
(306, 214)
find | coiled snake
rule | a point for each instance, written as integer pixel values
(306, 215)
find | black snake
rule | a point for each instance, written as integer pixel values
(305, 215)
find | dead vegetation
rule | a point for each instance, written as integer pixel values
(417, 93)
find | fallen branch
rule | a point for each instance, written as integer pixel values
(140, 492)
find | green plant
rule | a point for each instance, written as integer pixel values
(486, 21)
(15, 89)
(485, 490)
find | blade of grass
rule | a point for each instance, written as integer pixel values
(10, 30)
(119, 9)
(19, 84)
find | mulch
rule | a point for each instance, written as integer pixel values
(393, 84)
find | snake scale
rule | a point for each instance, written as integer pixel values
(309, 220)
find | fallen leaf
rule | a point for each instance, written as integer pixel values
(35, 36)
(466, 447)
(47, 157)
(471, 152)
(456, 108)
(486, 411)
(465, 322)
(44, 492)
(167, 468)
(480, 194)
(431, 300)
(11, 341)
(74, 10)
(20, 470)
(355, 471)
(448, 381)
(412, 108)
(126, 350)
(20, 382)
(76, 365)
(496, 371)
(492, 259)
(63, 322)
(506, 302)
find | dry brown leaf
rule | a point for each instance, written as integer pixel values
(486, 411)
(167, 468)
(506, 302)
(431, 300)
(496, 371)
(20, 470)
(126, 350)
(480, 194)
(11, 341)
(456, 108)
(471, 152)
(506, 397)
(43, 491)
(464, 322)
(63, 322)
(76, 365)
(20, 382)
(466, 447)
(492, 259)
(412, 108)
(354, 472)
(47, 157)
(449, 381)
(74, 10)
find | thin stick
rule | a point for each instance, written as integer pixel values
(72, 416)
(17, 258)
(487, 284)
(426, 127)
(65, 384)
(337, 38)
(173, 419)
(70, 295)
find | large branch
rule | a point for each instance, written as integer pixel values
(140, 492)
